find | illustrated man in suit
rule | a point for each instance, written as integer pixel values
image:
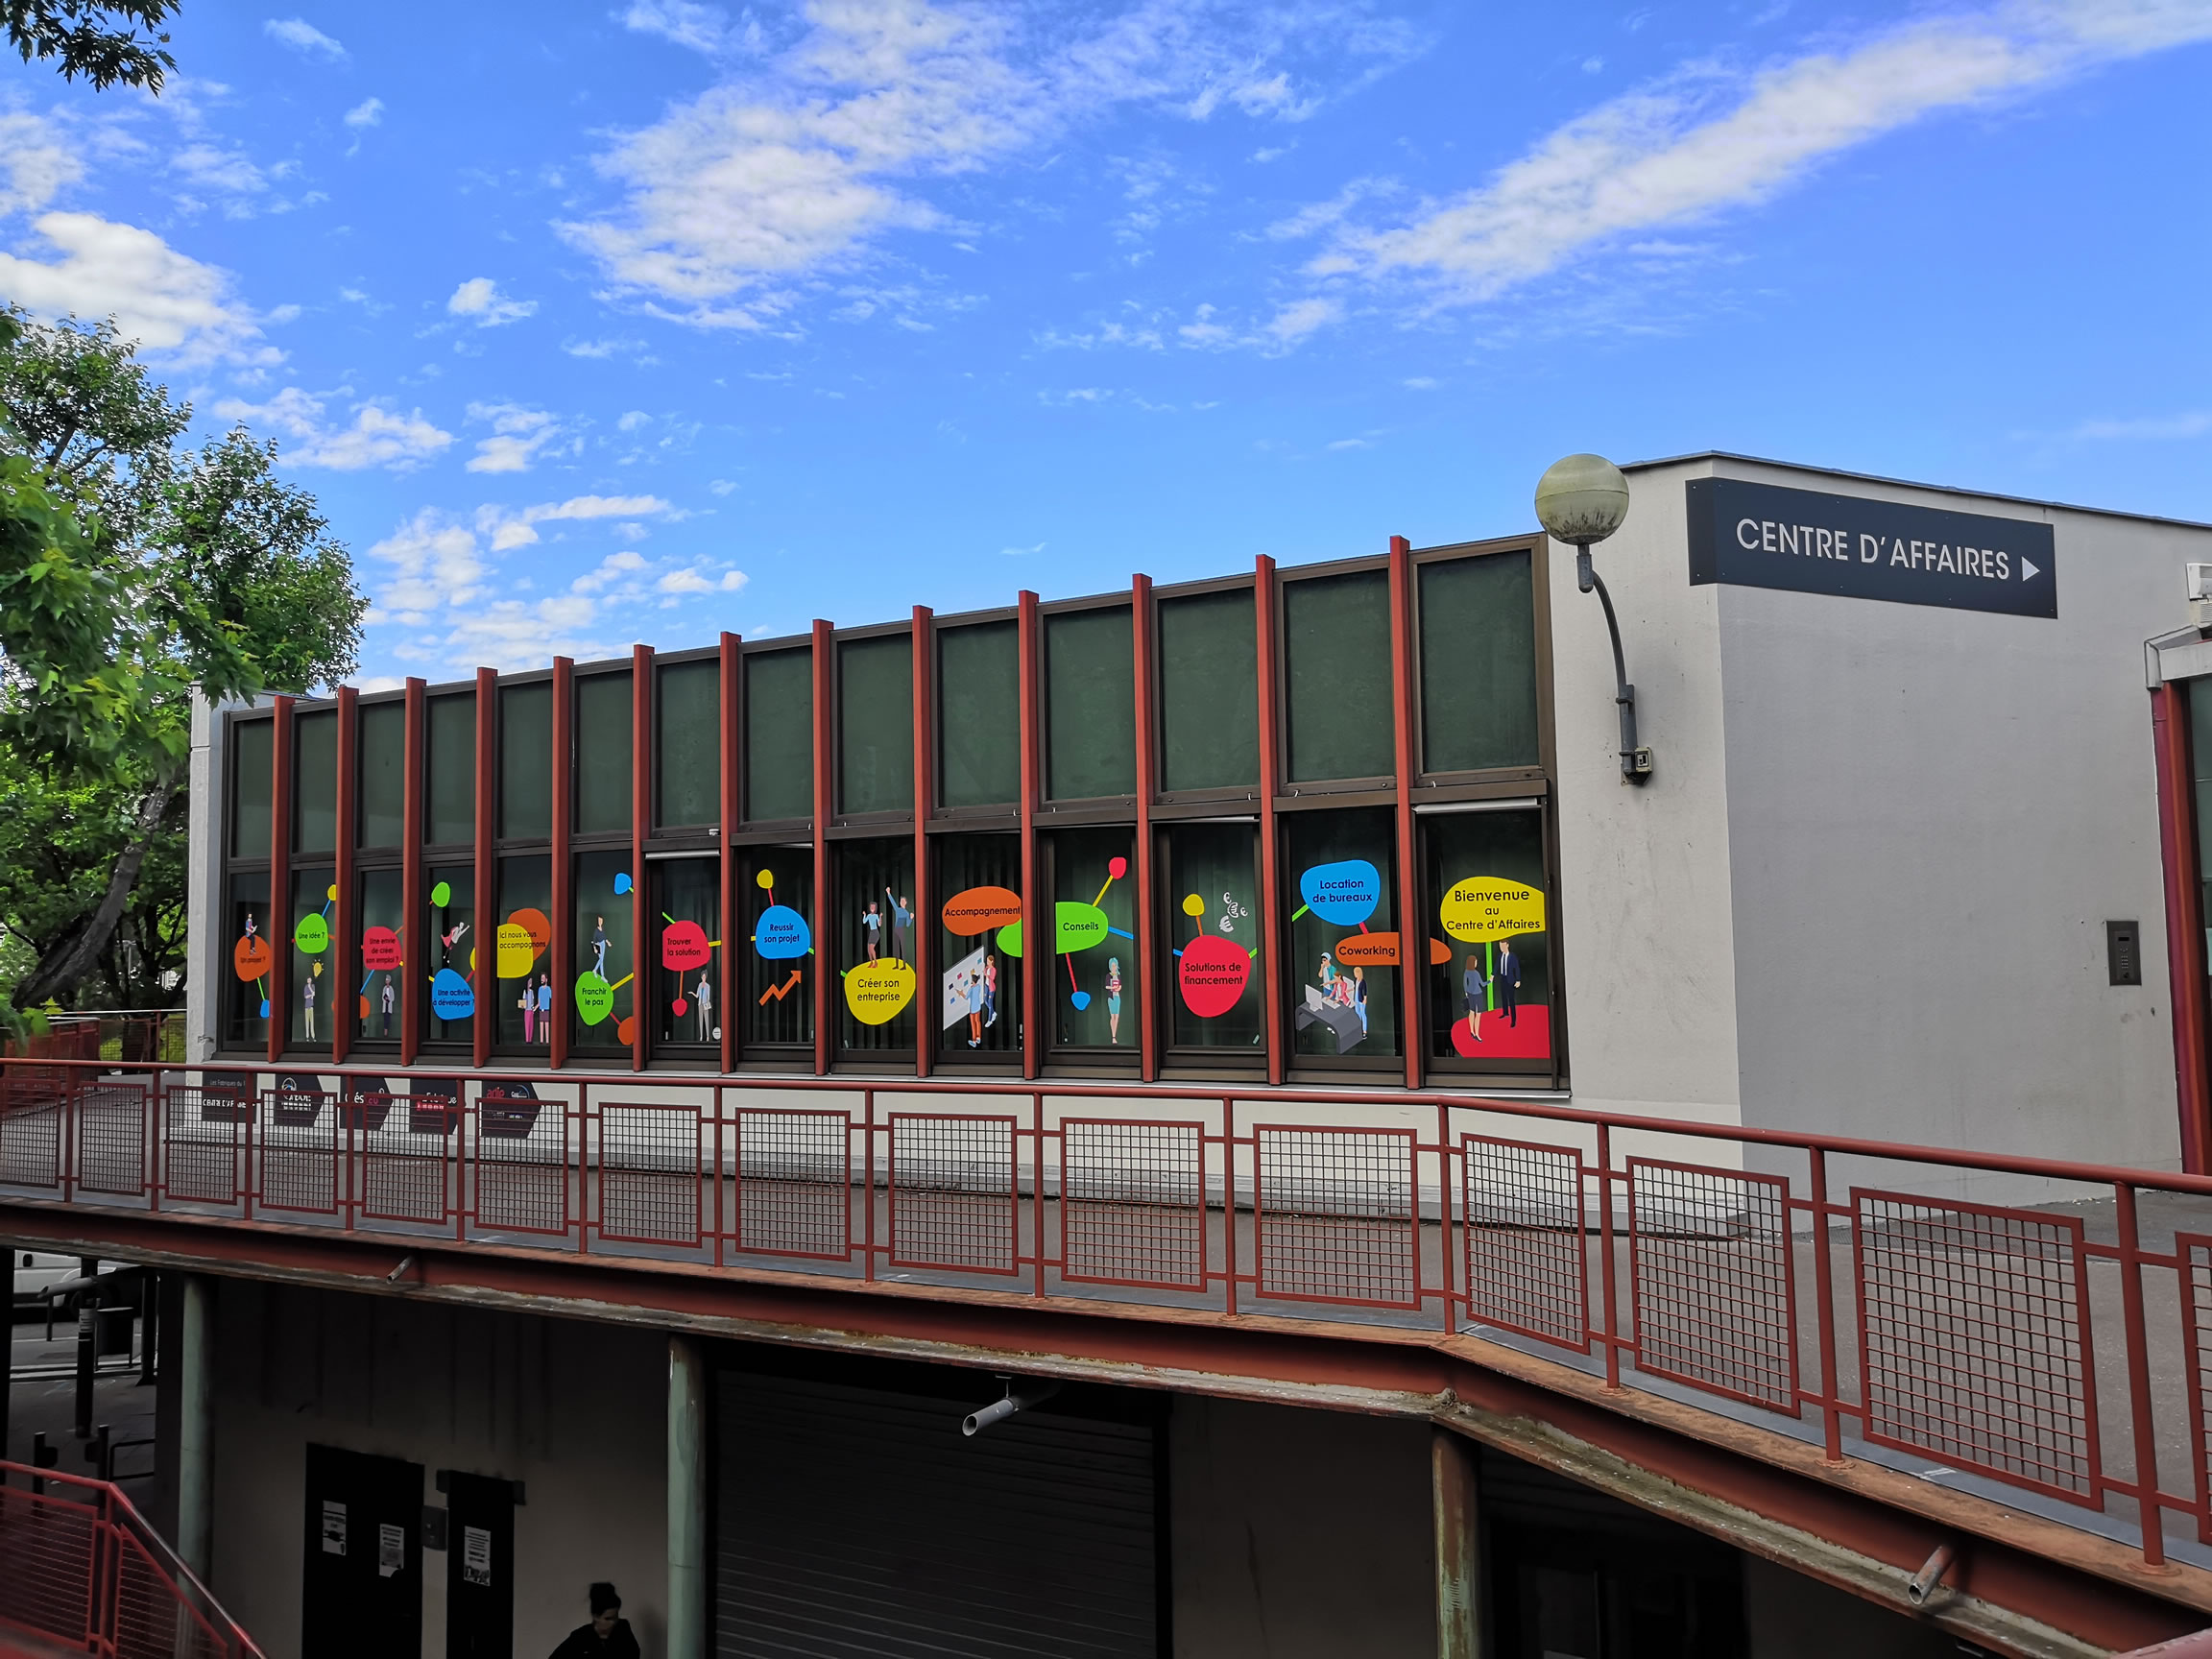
(1508, 982)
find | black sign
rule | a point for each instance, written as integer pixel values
(1761, 536)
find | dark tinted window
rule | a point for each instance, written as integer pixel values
(1336, 676)
(383, 773)
(452, 733)
(314, 774)
(1209, 693)
(780, 734)
(526, 761)
(979, 699)
(250, 755)
(689, 731)
(603, 754)
(876, 724)
(1478, 663)
(1090, 705)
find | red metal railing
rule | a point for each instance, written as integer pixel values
(84, 1571)
(136, 1034)
(2037, 1331)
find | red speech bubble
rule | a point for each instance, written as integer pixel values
(1214, 976)
(684, 946)
(980, 909)
(380, 949)
(251, 957)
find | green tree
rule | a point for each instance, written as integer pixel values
(133, 570)
(98, 40)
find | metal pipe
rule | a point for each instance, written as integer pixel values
(1634, 769)
(1931, 1574)
(196, 1427)
(686, 1499)
(88, 1342)
(1016, 1400)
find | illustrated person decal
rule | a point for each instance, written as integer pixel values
(387, 997)
(307, 1002)
(1358, 996)
(1476, 988)
(251, 930)
(902, 927)
(528, 1003)
(979, 1001)
(990, 990)
(599, 943)
(1113, 999)
(702, 994)
(1508, 982)
(872, 925)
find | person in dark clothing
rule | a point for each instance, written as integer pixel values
(607, 1636)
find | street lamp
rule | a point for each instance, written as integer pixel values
(1581, 501)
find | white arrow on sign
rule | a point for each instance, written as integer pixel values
(2029, 569)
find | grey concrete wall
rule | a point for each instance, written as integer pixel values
(1299, 1534)
(203, 884)
(574, 1410)
(1931, 815)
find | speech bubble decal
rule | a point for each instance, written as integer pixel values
(312, 935)
(979, 909)
(450, 997)
(1343, 893)
(684, 946)
(516, 952)
(441, 895)
(251, 957)
(782, 933)
(380, 949)
(1212, 976)
(876, 991)
(595, 997)
(535, 923)
(1369, 950)
(1490, 908)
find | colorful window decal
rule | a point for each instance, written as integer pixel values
(779, 935)
(1214, 970)
(1493, 915)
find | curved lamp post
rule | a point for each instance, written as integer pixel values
(1581, 501)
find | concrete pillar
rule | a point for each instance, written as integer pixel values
(1453, 1498)
(686, 1499)
(196, 1427)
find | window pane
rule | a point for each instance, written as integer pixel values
(526, 999)
(1490, 1001)
(979, 881)
(687, 922)
(688, 731)
(777, 899)
(454, 959)
(604, 953)
(245, 997)
(315, 795)
(1336, 676)
(383, 773)
(780, 734)
(382, 978)
(979, 700)
(603, 754)
(317, 998)
(875, 950)
(1209, 693)
(1478, 663)
(452, 729)
(1095, 984)
(876, 714)
(1090, 705)
(526, 761)
(250, 755)
(1339, 891)
(1212, 894)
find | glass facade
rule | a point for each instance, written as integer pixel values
(658, 980)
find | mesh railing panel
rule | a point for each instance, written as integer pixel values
(794, 1184)
(152, 1619)
(1715, 1306)
(405, 1176)
(2196, 1255)
(299, 1152)
(29, 1132)
(649, 1175)
(46, 1565)
(522, 1162)
(954, 1200)
(1133, 1203)
(1527, 1267)
(1333, 1216)
(1973, 1338)
(112, 1137)
(203, 1143)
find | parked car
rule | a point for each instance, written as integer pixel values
(37, 1272)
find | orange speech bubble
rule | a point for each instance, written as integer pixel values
(980, 909)
(1369, 950)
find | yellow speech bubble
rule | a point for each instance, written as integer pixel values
(876, 992)
(1490, 908)
(515, 951)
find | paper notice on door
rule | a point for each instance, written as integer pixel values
(333, 1527)
(476, 1555)
(391, 1549)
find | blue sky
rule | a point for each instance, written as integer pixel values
(599, 322)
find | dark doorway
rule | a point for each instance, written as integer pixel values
(479, 1567)
(361, 1596)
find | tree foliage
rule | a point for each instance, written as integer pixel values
(100, 40)
(133, 570)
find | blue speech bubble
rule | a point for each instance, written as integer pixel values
(450, 996)
(782, 933)
(1343, 893)
(622, 883)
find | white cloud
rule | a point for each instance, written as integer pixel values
(368, 113)
(435, 565)
(686, 23)
(632, 419)
(518, 434)
(37, 162)
(512, 529)
(812, 157)
(169, 302)
(377, 437)
(480, 298)
(612, 568)
(1290, 326)
(1706, 140)
(302, 36)
(1419, 383)
(212, 167)
(2194, 423)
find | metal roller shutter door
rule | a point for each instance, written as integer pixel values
(852, 1522)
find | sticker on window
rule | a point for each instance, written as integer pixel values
(333, 1527)
(476, 1555)
(391, 1549)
